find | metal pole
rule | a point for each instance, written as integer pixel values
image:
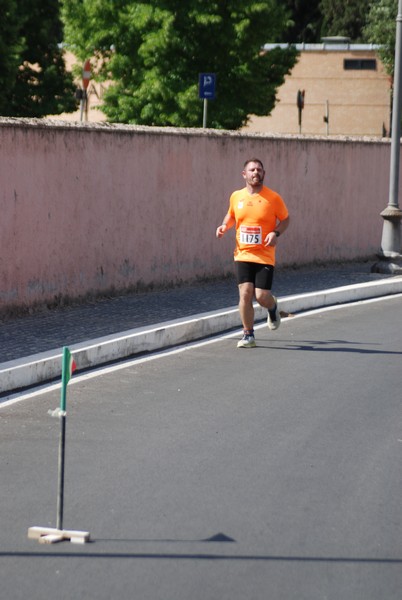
(390, 257)
(396, 115)
(86, 105)
(204, 118)
(82, 104)
(65, 376)
(60, 491)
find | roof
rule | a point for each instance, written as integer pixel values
(336, 44)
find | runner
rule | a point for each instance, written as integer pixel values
(260, 216)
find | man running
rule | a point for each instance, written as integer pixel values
(260, 216)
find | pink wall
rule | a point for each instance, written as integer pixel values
(91, 208)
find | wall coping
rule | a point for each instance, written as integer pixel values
(102, 127)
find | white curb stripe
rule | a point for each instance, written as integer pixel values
(38, 368)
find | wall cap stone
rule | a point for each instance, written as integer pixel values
(102, 127)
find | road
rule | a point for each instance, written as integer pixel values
(217, 473)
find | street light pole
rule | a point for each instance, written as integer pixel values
(389, 255)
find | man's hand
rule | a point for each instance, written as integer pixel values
(221, 230)
(270, 239)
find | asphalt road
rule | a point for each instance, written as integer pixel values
(217, 473)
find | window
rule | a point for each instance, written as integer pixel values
(360, 64)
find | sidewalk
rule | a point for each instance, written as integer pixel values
(32, 340)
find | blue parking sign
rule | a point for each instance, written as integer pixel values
(207, 86)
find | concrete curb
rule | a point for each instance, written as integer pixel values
(39, 368)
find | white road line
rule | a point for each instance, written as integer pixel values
(124, 364)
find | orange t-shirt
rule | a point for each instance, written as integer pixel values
(256, 215)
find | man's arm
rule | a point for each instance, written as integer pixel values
(227, 223)
(272, 236)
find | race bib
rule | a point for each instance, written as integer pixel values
(250, 235)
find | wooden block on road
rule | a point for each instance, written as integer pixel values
(50, 535)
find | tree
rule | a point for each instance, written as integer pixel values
(154, 50)
(10, 48)
(344, 17)
(34, 79)
(381, 29)
(304, 23)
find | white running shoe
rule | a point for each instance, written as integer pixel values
(274, 317)
(247, 341)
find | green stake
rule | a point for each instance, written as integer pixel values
(68, 366)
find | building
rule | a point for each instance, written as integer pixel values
(346, 92)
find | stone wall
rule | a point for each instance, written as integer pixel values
(94, 208)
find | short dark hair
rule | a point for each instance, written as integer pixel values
(257, 160)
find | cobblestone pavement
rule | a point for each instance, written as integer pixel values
(51, 329)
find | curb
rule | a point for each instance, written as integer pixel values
(39, 368)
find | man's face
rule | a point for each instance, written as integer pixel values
(254, 174)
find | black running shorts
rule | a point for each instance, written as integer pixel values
(260, 275)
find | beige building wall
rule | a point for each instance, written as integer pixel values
(358, 101)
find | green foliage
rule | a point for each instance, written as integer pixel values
(304, 23)
(154, 51)
(344, 17)
(32, 73)
(11, 46)
(381, 29)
